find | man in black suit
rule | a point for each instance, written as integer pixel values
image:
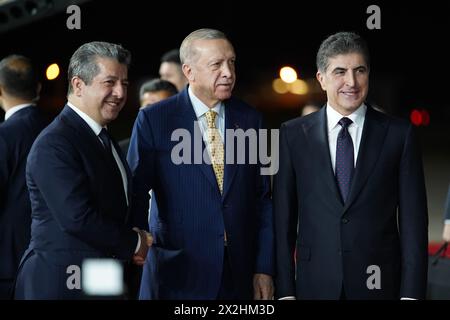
(19, 89)
(349, 196)
(79, 181)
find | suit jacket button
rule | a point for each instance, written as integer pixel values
(344, 220)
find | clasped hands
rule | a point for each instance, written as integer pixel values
(146, 243)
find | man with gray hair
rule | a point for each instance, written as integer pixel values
(79, 181)
(213, 229)
(349, 196)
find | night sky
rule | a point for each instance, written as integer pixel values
(409, 67)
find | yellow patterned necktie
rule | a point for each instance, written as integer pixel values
(216, 152)
(216, 149)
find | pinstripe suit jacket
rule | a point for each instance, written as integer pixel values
(187, 257)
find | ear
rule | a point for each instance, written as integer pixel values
(188, 73)
(320, 78)
(77, 85)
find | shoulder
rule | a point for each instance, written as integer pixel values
(159, 112)
(161, 108)
(396, 124)
(243, 109)
(242, 105)
(20, 131)
(304, 121)
(56, 135)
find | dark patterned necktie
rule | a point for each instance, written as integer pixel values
(344, 158)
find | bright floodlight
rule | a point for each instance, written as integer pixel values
(52, 71)
(288, 74)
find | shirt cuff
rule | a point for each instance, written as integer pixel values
(447, 221)
(138, 244)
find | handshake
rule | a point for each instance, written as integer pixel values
(146, 242)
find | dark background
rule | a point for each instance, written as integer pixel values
(409, 59)
(409, 56)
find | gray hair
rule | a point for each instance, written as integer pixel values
(83, 62)
(341, 43)
(188, 52)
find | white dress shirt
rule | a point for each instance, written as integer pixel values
(355, 130)
(200, 109)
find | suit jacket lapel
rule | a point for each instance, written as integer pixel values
(231, 122)
(316, 133)
(187, 119)
(126, 167)
(373, 135)
(88, 136)
(90, 140)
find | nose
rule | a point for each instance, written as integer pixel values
(120, 90)
(227, 70)
(350, 79)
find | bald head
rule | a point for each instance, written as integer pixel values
(18, 78)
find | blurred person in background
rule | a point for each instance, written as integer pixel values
(19, 92)
(170, 69)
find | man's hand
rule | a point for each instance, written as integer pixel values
(146, 243)
(262, 287)
(446, 233)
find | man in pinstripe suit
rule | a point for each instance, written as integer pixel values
(213, 231)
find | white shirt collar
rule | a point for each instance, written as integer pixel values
(91, 122)
(14, 109)
(200, 108)
(357, 116)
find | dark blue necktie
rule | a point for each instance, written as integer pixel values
(344, 158)
(106, 140)
(107, 143)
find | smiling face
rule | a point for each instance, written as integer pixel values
(346, 81)
(106, 95)
(211, 73)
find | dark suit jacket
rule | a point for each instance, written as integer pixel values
(383, 223)
(17, 134)
(79, 208)
(124, 144)
(187, 257)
